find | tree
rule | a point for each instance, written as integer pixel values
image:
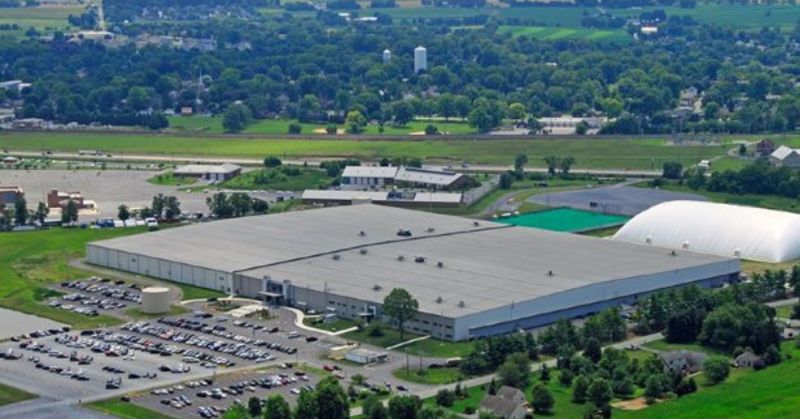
(331, 400)
(254, 407)
(403, 113)
(672, 170)
(716, 369)
(516, 111)
(295, 128)
(600, 392)
(277, 408)
(20, 211)
(69, 214)
(542, 401)
(123, 213)
(236, 117)
(552, 163)
(565, 377)
(404, 407)
(581, 128)
(653, 388)
(272, 161)
(400, 306)
(593, 350)
(506, 180)
(236, 411)
(41, 213)
(373, 408)
(355, 122)
(431, 129)
(580, 389)
(544, 373)
(445, 397)
(158, 205)
(519, 163)
(515, 371)
(172, 208)
(219, 205)
(565, 164)
(306, 404)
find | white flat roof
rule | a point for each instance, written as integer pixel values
(428, 176)
(385, 172)
(199, 169)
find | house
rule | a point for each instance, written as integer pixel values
(785, 157)
(186, 111)
(746, 360)
(28, 123)
(365, 356)
(376, 176)
(10, 194)
(508, 403)
(209, 172)
(688, 97)
(682, 361)
(56, 199)
(764, 148)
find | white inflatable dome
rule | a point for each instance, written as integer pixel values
(718, 229)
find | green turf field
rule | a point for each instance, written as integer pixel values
(590, 153)
(565, 219)
(549, 33)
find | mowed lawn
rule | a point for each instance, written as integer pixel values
(549, 33)
(771, 393)
(213, 125)
(9, 395)
(126, 410)
(30, 261)
(590, 153)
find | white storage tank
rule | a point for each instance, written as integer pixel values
(155, 300)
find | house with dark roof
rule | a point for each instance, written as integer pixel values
(746, 360)
(508, 403)
(682, 361)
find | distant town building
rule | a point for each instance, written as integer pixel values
(10, 161)
(387, 56)
(56, 199)
(764, 148)
(649, 30)
(409, 199)
(785, 157)
(28, 123)
(369, 175)
(10, 194)
(186, 111)
(565, 125)
(420, 59)
(746, 360)
(413, 177)
(682, 361)
(209, 172)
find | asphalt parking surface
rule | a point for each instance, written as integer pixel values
(624, 200)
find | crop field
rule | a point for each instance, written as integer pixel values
(590, 153)
(555, 33)
(39, 17)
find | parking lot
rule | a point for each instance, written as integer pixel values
(96, 296)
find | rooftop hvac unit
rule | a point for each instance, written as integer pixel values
(476, 224)
(430, 230)
(419, 259)
(439, 300)
(401, 258)
(462, 304)
(673, 253)
(550, 273)
(363, 251)
(648, 239)
(737, 252)
(377, 287)
(362, 233)
(439, 265)
(686, 244)
(337, 256)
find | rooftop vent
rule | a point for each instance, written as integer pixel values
(363, 251)
(462, 304)
(439, 265)
(550, 273)
(476, 224)
(648, 240)
(377, 287)
(419, 259)
(737, 252)
(430, 230)
(439, 300)
(362, 233)
(673, 253)
(686, 244)
(404, 232)
(401, 258)
(337, 256)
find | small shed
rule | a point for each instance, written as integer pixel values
(366, 356)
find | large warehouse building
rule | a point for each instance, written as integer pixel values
(471, 278)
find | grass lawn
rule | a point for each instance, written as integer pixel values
(190, 292)
(770, 393)
(784, 312)
(426, 348)
(9, 395)
(30, 261)
(663, 345)
(137, 313)
(169, 179)
(549, 33)
(428, 376)
(590, 153)
(334, 326)
(126, 410)
(282, 178)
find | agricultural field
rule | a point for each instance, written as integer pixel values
(42, 17)
(590, 153)
(547, 33)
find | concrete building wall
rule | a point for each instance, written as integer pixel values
(160, 268)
